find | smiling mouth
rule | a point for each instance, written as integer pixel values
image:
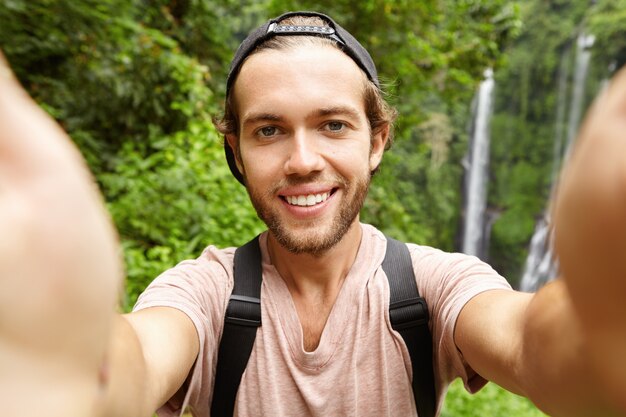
(307, 200)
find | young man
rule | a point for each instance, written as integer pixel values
(305, 128)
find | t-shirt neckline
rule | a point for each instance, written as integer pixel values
(346, 304)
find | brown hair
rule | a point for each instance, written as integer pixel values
(379, 113)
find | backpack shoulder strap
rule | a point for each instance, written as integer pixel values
(243, 317)
(409, 317)
(407, 310)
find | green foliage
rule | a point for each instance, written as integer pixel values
(490, 401)
(606, 22)
(520, 185)
(170, 205)
(139, 108)
(104, 76)
(209, 31)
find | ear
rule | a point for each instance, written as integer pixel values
(379, 142)
(233, 142)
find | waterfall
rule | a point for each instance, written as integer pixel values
(477, 166)
(540, 264)
(583, 58)
(561, 108)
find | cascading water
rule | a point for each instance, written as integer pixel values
(540, 263)
(541, 266)
(561, 108)
(476, 166)
(583, 58)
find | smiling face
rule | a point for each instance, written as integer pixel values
(305, 147)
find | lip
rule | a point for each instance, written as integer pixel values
(307, 212)
(306, 190)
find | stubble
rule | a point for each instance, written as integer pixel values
(319, 239)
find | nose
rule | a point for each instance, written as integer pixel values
(304, 155)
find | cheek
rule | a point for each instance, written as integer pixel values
(351, 157)
(259, 162)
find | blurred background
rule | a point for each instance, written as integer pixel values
(490, 95)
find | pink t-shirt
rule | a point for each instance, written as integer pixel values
(361, 366)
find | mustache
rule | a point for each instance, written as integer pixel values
(318, 178)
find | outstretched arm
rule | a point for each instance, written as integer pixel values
(64, 351)
(565, 346)
(57, 292)
(590, 226)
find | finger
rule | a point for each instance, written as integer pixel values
(605, 122)
(616, 93)
(595, 176)
(31, 143)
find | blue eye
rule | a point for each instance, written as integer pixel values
(335, 126)
(268, 131)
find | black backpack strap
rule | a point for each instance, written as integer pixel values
(409, 317)
(243, 317)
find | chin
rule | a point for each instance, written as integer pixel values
(314, 239)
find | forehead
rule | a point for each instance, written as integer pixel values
(297, 78)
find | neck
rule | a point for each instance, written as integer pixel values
(307, 274)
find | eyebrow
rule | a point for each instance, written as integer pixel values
(347, 111)
(260, 117)
(337, 110)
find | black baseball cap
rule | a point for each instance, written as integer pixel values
(345, 41)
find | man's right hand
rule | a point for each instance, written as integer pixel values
(60, 266)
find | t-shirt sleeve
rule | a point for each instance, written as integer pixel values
(199, 288)
(448, 281)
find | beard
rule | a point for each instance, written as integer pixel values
(317, 238)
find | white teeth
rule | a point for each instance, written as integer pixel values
(307, 200)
